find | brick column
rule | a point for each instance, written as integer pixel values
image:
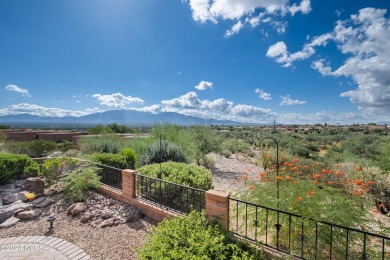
(217, 207)
(128, 184)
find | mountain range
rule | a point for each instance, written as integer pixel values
(124, 117)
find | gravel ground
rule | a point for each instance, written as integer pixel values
(228, 173)
(117, 242)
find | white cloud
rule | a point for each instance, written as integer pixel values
(15, 88)
(288, 101)
(235, 10)
(234, 30)
(304, 7)
(154, 109)
(203, 85)
(32, 109)
(365, 39)
(262, 94)
(188, 100)
(117, 100)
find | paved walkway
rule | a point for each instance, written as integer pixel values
(39, 248)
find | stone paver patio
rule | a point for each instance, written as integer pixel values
(39, 248)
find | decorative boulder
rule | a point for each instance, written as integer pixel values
(76, 209)
(35, 185)
(86, 217)
(107, 223)
(42, 202)
(9, 222)
(30, 214)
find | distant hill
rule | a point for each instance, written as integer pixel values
(125, 117)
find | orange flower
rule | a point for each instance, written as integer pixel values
(358, 168)
(338, 165)
(317, 176)
(299, 172)
(268, 156)
(262, 174)
(339, 173)
(286, 163)
(315, 182)
(330, 182)
(278, 178)
(309, 176)
(295, 181)
(332, 171)
(245, 177)
(306, 167)
(371, 182)
(310, 193)
(251, 187)
(324, 171)
(264, 179)
(315, 164)
(358, 192)
(295, 160)
(294, 168)
(299, 199)
(358, 182)
(288, 177)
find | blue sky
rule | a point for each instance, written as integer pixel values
(253, 61)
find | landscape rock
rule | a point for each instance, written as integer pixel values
(35, 185)
(86, 217)
(107, 223)
(30, 214)
(21, 196)
(7, 211)
(6, 187)
(18, 183)
(9, 198)
(13, 190)
(76, 209)
(106, 215)
(97, 222)
(133, 215)
(9, 222)
(42, 202)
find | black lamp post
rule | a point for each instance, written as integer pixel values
(278, 226)
(161, 152)
(51, 219)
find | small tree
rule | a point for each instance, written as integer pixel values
(205, 142)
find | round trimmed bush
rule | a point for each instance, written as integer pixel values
(182, 173)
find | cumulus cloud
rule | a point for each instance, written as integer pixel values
(288, 101)
(32, 109)
(117, 100)
(262, 94)
(365, 39)
(222, 109)
(15, 88)
(248, 11)
(203, 85)
(235, 29)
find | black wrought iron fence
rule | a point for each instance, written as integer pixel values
(171, 195)
(302, 237)
(110, 175)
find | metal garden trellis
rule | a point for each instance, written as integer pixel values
(278, 226)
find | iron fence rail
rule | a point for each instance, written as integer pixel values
(171, 195)
(304, 238)
(110, 176)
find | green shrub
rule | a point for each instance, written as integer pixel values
(130, 157)
(235, 145)
(79, 181)
(13, 164)
(35, 148)
(107, 143)
(111, 159)
(52, 169)
(186, 174)
(193, 237)
(162, 152)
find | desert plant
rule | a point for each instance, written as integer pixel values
(13, 164)
(130, 157)
(79, 181)
(181, 173)
(30, 196)
(114, 160)
(162, 151)
(193, 237)
(106, 143)
(52, 169)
